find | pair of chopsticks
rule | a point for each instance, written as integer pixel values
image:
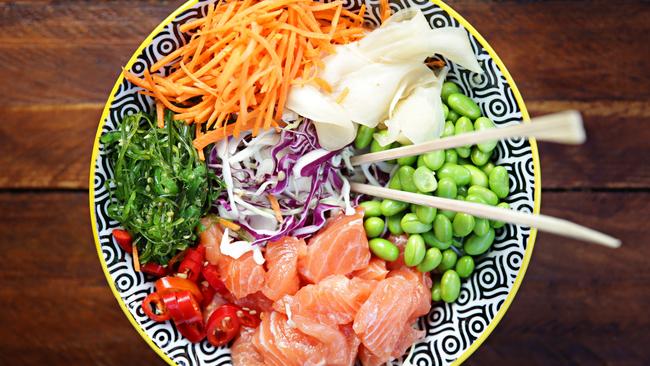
(563, 127)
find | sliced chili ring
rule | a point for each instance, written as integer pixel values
(194, 332)
(123, 239)
(188, 307)
(171, 303)
(211, 274)
(153, 269)
(192, 263)
(174, 284)
(154, 307)
(223, 325)
(249, 317)
(208, 293)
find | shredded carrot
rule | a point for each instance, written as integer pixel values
(136, 258)
(384, 9)
(160, 115)
(235, 72)
(229, 224)
(275, 205)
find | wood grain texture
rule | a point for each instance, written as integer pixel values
(579, 303)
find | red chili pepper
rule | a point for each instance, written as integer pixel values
(194, 332)
(173, 284)
(153, 269)
(192, 263)
(223, 325)
(211, 274)
(182, 307)
(208, 293)
(159, 313)
(123, 239)
(249, 317)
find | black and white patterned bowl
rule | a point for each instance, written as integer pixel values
(453, 331)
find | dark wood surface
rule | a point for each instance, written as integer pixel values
(578, 305)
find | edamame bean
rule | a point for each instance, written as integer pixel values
(457, 173)
(425, 179)
(474, 199)
(451, 156)
(465, 266)
(405, 174)
(431, 240)
(371, 208)
(450, 286)
(477, 245)
(411, 224)
(375, 146)
(487, 168)
(364, 137)
(485, 194)
(448, 261)
(452, 116)
(499, 182)
(445, 110)
(384, 249)
(434, 159)
(394, 224)
(500, 224)
(464, 106)
(477, 176)
(482, 124)
(408, 160)
(448, 213)
(448, 130)
(391, 207)
(425, 214)
(442, 228)
(414, 250)
(463, 125)
(481, 226)
(420, 161)
(463, 224)
(446, 188)
(435, 292)
(449, 88)
(431, 260)
(374, 227)
(394, 183)
(479, 157)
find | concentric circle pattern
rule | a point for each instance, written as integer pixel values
(450, 329)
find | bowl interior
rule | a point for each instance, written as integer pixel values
(453, 331)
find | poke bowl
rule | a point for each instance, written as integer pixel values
(452, 331)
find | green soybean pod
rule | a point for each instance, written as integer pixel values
(431, 260)
(407, 160)
(435, 292)
(364, 137)
(448, 261)
(448, 130)
(394, 183)
(374, 227)
(487, 168)
(482, 124)
(425, 180)
(449, 88)
(384, 249)
(450, 286)
(371, 208)
(411, 224)
(452, 116)
(499, 182)
(451, 156)
(500, 224)
(477, 245)
(425, 214)
(405, 174)
(414, 250)
(485, 194)
(481, 226)
(463, 224)
(442, 228)
(394, 224)
(446, 188)
(375, 146)
(465, 266)
(391, 207)
(431, 241)
(464, 106)
(434, 159)
(479, 157)
(457, 173)
(477, 176)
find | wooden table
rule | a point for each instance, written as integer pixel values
(579, 304)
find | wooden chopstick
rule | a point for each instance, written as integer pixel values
(563, 127)
(541, 222)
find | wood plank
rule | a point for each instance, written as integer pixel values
(579, 304)
(562, 50)
(49, 146)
